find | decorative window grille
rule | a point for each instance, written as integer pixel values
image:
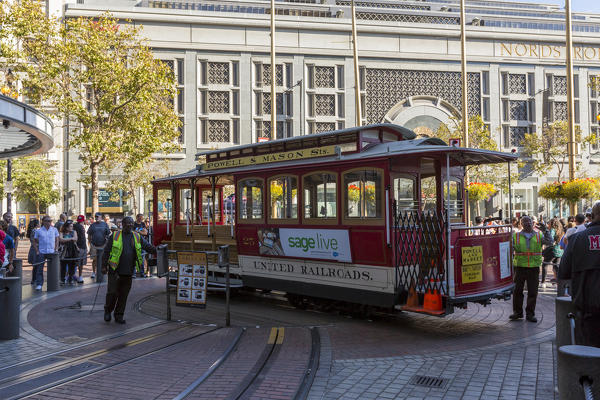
(559, 111)
(383, 5)
(324, 105)
(386, 87)
(218, 131)
(218, 101)
(318, 127)
(410, 18)
(218, 73)
(518, 110)
(517, 135)
(559, 85)
(283, 101)
(324, 77)
(517, 83)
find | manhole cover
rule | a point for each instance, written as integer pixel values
(428, 381)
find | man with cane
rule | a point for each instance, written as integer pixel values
(122, 255)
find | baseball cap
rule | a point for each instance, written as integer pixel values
(98, 214)
(80, 218)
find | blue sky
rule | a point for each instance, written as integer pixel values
(576, 5)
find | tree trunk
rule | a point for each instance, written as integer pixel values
(95, 191)
(478, 203)
(132, 191)
(37, 207)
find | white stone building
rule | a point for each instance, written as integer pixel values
(409, 54)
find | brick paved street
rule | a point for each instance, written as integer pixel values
(477, 353)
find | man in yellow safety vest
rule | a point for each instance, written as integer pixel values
(527, 247)
(122, 255)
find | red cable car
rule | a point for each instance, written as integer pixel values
(361, 217)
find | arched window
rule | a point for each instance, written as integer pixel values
(320, 195)
(251, 199)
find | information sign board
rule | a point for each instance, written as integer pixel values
(192, 279)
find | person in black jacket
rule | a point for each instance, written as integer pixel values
(120, 266)
(81, 245)
(581, 264)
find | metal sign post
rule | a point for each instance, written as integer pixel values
(224, 263)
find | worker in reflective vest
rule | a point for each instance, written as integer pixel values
(527, 247)
(123, 255)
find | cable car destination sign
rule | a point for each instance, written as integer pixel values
(299, 154)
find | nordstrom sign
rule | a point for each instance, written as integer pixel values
(546, 51)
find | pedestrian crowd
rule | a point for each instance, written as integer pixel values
(73, 241)
(571, 248)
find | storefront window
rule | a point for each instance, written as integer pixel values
(251, 199)
(283, 201)
(363, 194)
(320, 195)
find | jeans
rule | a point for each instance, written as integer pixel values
(38, 271)
(67, 270)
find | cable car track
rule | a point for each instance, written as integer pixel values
(83, 366)
(259, 372)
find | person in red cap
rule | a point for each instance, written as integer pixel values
(81, 244)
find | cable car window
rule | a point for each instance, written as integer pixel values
(320, 195)
(404, 194)
(185, 203)
(455, 205)
(163, 206)
(363, 194)
(208, 210)
(283, 197)
(428, 185)
(251, 199)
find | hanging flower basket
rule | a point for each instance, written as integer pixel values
(480, 191)
(577, 189)
(551, 191)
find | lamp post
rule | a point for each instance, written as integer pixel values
(356, 69)
(570, 105)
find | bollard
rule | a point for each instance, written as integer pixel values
(17, 268)
(564, 307)
(10, 307)
(53, 272)
(577, 364)
(99, 274)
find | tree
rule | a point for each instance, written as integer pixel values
(34, 181)
(479, 138)
(2, 178)
(549, 149)
(100, 76)
(137, 176)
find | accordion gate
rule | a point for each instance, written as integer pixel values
(419, 240)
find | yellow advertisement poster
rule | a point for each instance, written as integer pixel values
(192, 278)
(472, 264)
(271, 158)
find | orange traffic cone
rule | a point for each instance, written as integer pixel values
(413, 297)
(433, 300)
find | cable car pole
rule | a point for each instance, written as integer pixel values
(571, 149)
(465, 113)
(273, 67)
(356, 69)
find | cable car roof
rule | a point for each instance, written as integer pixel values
(459, 156)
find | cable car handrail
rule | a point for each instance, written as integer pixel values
(480, 227)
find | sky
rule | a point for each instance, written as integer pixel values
(576, 5)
